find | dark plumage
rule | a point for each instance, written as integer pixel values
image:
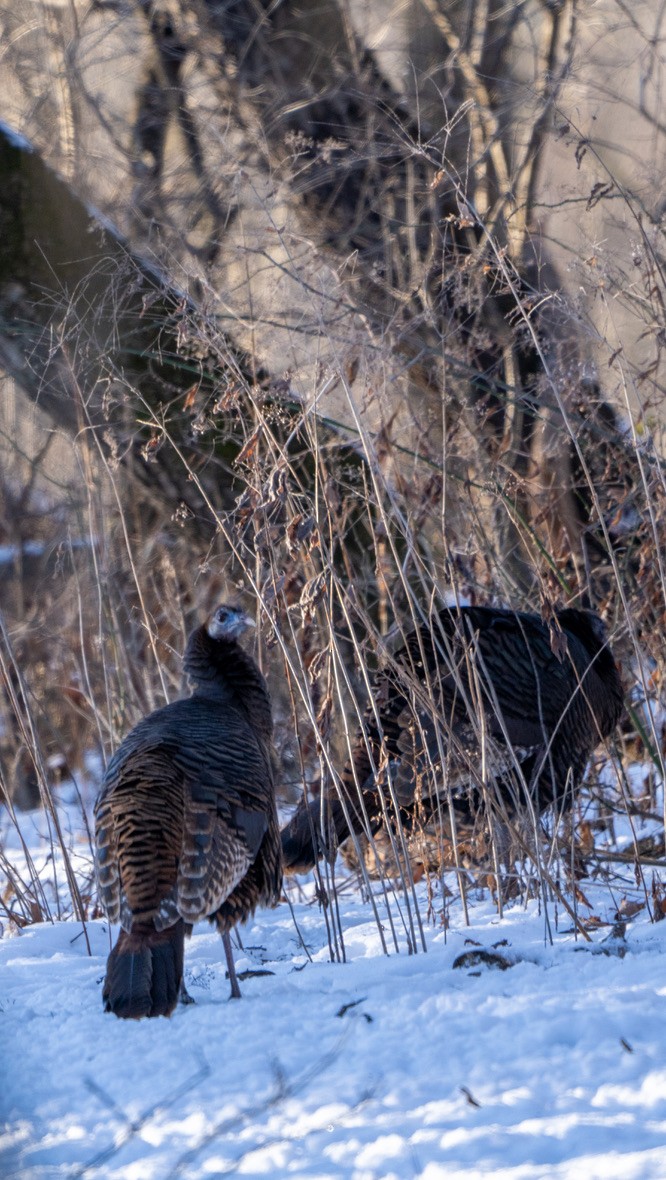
(549, 694)
(185, 822)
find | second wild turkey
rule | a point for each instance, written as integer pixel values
(185, 823)
(538, 698)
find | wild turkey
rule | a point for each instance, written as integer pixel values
(185, 822)
(549, 694)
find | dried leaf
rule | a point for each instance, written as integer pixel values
(558, 643)
(582, 900)
(226, 399)
(594, 922)
(311, 594)
(249, 448)
(36, 911)
(276, 487)
(318, 664)
(301, 528)
(324, 713)
(351, 370)
(658, 899)
(190, 397)
(586, 838)
(151, 447)
(628, 909)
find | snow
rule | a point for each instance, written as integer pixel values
(377, 1068)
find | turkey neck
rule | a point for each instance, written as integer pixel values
(220, 668)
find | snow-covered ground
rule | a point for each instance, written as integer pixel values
(380, 1067)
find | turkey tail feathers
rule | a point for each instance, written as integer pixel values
(144, 972)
